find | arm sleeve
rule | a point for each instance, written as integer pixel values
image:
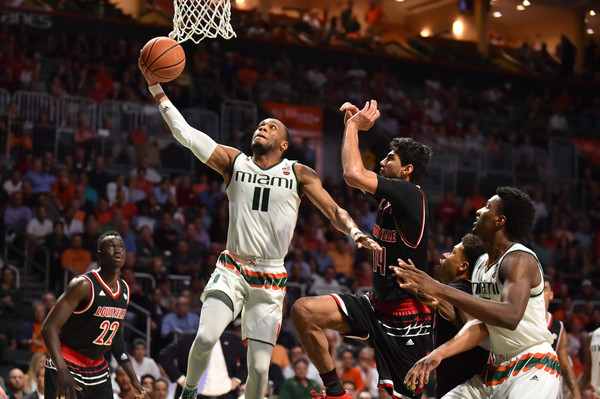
(118, 349)
(200, 143)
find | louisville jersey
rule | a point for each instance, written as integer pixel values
(263, 208)
(400, 230)
(532, 329)
(92, 326)
(556, 328)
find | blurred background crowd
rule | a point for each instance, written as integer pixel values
(84, 151)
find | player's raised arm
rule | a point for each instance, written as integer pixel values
(78, 291)
(216, 156)
(313, 188)
(355, 173)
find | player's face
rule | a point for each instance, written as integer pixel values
(483, 225)
(450, 263)
(391, 166)
(112, 252)
(269, 136)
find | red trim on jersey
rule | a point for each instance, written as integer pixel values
(76, 311)
(113, 295)
(550, 320)
(71, 355)
(128, 292)
(406, 242)
(400, 307)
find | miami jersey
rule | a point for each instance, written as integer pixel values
(532, 329)
(595, 352)
(93, 325)
(263, 208)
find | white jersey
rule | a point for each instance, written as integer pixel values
(263, 208)
(595, 352)
(532, 329)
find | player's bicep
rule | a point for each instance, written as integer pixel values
(364, 180)
(517, 269)
(78, 291)
(221, 160)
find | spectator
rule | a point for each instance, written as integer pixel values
(15, 384)
(165, 236)
(37, 363)
(343, 261)
(39, 227)
(147, 382)
(70, 223)
(38, 391)
(75, 258)
(30, 336)
(161, 389)
(98, 177)
(128, 209)
(49, 300)
(86, 136)
(297, 257)
(368, 369)
(374, 17)
(348, 372)
(89, 238)
(56, 243)
(128, 238)
(17, 215)
(321, 256)
(10, 295)
(326, 284)
(64, 187)
(14, 183)
(113, 188)
(298, 386)
(181, 319)
(296, 353)
(39, 178)
(141, 363)
(123, 388)
(588, 292)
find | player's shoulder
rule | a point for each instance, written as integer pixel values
(462, 285)
(80, 286)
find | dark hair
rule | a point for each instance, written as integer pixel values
(472, 249)
(103, 236)
(414, 153)
(548, 279)
(519, 210)
(301, 360)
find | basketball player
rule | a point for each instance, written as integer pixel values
(507, 302)
(389, 318)
(591, 370)
(264, 193)
(557, 329)
(85, 323)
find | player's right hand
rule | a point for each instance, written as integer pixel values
(418, 375)
(366, 117)
(148, 80)
(349, 111)
(66, 385)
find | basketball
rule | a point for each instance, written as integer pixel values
(162, 59)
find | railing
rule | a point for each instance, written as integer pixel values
(29, 263)
(33, 105)
(72, 108)
(148, 282)
(146, 334)
(125, 116)
(236, 114)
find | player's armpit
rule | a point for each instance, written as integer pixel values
(221, 160)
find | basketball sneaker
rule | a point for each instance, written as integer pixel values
(189, 393)
(317, 395)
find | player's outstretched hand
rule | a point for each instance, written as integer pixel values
(414, 280)
(66, 385)
(366, 117)
(148, 80)
(349, 111)
(418, 375)
(138, 390)
(364, 241)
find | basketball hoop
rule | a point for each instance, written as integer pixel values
(198, 19)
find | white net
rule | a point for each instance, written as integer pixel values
(198, 19)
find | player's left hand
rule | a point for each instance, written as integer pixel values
(138, 390)
(349, 111)
(364, 241)
(418, 375)
(366, 117)
(414, 280)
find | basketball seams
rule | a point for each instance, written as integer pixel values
(148, 60)
(145, 61)
(163, 53)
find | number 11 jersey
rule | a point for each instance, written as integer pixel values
(263, 208)
(93, 325)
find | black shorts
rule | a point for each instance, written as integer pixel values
(91, 375)
(398, 331)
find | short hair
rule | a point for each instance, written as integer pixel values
(142, 378)
(103, 236)
(548, 279)
(161, 379)
(301, 360)
(519, 210)
(472, 249)
(414, 153)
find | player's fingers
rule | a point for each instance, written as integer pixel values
(345, 105)
(376, 116)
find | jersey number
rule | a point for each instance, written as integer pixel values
(379, 261)
(106, 326)
(264, 204)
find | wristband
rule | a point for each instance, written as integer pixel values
(155, 89)
(354, 232)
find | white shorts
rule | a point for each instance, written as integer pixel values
(256, 288)
(532, 374)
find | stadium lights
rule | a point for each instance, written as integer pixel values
(592, 13)
(590, 31)
(458, 28)
(400, 1)
(497, 14)
(526, 3)
(425, 32)
(240, 2)
(520, 7)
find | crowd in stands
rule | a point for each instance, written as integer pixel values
(175, 224)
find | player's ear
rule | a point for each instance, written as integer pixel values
(284, 145)
(463, 267)
(500, 221)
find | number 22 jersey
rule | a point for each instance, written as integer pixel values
(93, 325)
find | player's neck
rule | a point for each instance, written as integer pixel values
(109, 277)
(266, 160)
(496, 247)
